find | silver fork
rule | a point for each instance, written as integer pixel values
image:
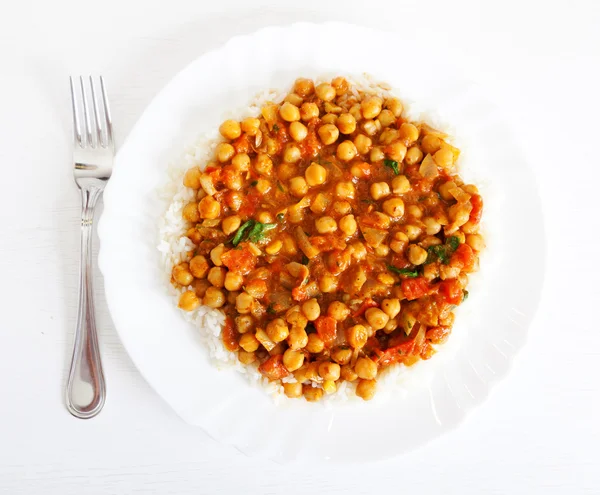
(93, 153)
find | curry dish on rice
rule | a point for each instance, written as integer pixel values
(335, 235)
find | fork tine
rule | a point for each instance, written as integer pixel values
(99, 139)
(76, 123)
(86, 114)
(109, 127)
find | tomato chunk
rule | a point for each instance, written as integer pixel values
(239, 260)
(230, 335)
(242, 144)
(438, 335)
(327, 329)
(452, 291)
(477, 210)
(463, 258)
(273, 368)
(413, 288)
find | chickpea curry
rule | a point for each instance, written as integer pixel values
(334, 234)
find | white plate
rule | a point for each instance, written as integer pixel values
(434, 396)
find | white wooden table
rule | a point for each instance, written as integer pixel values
(539, 432)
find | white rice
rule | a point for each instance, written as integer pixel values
(174, 245)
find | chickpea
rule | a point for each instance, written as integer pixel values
(329, 370)
(182, 275)
(396, 151)
(348, 225)
(191, 213)
(328, 283)
(250, 126)
(391, 307)
(304, 87)
(244, 323)
(388, 136)
(366, 389)
(431, 143)
(243, 303)
(291, 153)
(328, 133)
(341, 355)
(309, 111)
(382, 250)
(409, 133)
(357, 336)
(230, 129)
(209, 208)
(394, 207)
(292, 359)
(347, 373)
(346, 151)
(432, 226)
(289, 112)
(216, 276)
(234, 200)
(413, 156)
(338, 310)
(444, 158)
(371, 127)
(365, 368)
(274, 247)
(263, 164)
(215, 254)
(412, 231)
(312, 394)
(192, 178)
(298, 338)
(345, 190)
(241, 162)
(363, 143)
(386, 118)
(459, 214)
(325, 225)
(225, 152)
(277, 330)
(395, 106)
(230, 224)
(311, 309)
(198, 267)
(359, 251)
(188, 301)
(200, 286)
(246, 357)
(371, 106)
(346, 123)
(414, 211)
(342, 207)
(379, 190)
(295, 317)
(315, 344)
(416, 254)
(325, 92)
(340, 84)
(315, 174)
(376, 318)
(213, 298)
(329, 118)
(400, 184)
(233, 281)
(298, 131)
(249, 342)
(376, 155)
(292, 390)
(329, 387)
(475, 241)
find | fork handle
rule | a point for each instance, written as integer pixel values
(86, 388)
